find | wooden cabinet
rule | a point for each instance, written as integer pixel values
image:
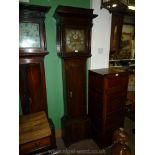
(106, 103)
(73, 46)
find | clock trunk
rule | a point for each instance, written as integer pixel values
(75, 86)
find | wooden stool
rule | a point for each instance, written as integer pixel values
(35, 134)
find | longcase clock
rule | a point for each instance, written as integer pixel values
(32, 49)
(74, 47)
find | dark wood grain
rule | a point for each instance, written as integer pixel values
(73, 18)
(75, 123)
(32, 85)
(34, 14)
(35, 134)
(75, 85)
(106, 103)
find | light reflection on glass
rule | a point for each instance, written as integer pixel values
(29, 35)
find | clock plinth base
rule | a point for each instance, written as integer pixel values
(75, 129)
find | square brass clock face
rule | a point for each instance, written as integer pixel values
(74, 40)
(29, 35)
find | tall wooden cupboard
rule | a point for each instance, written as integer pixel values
(106, 103)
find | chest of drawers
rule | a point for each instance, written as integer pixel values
(106, 102)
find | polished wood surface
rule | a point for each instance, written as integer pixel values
(36, 146)
(34, 14)
(106, 103)
(35, 133)
(75, 87)
(33, 127)
(75, 117)
(32, 85)
(68, 17)
(75, 129)
(75, 122)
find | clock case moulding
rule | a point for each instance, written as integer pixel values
(34, 14)
(73, 18)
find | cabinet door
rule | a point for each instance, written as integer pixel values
(75, 83)
(32, 87)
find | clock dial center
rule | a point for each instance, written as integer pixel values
(74, 40)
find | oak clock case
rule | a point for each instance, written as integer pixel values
(73, 47)
(73, 31)
(32, 49)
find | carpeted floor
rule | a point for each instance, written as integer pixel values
(89, 147)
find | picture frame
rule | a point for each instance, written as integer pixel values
(126, 46)
(126, 41)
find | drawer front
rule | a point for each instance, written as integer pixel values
(118, 80)
(35, 145)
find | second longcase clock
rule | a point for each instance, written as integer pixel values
(73, 46)
(32, 50)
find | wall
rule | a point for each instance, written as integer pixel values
(100, 37)
(52, 61)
